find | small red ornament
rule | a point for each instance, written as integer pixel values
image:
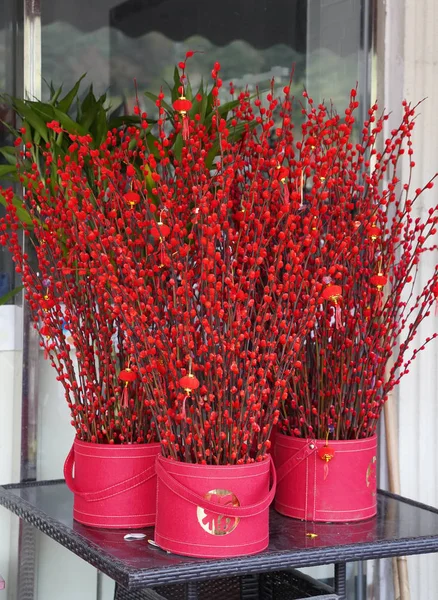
(379, 280)
(326, 453)
(131, 198)
(160, 231)
(182, 106)
(189, 382)
(334, 294)
(127, 375)
(373, 232)
(45, 331)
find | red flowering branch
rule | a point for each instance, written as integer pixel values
(372, 304)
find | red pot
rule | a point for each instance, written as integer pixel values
(189, 521)
(319, 481)
(114, 486)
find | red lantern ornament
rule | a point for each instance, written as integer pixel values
(182, 106)
(373, 232)
(379, 281)
(189, 383)
(160, 230)
(131, 198)
(127, 375)
(239, 216)
(334, 294)
(326, 453)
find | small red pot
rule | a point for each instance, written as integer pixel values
(213, 511)
(319, 481)
(114, 486)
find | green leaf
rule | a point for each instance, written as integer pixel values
(54, 95)
(123, 120)
(176, 84)
(9, 295)
(7, 170)
(65, 104)
(24, 109)
(164, 104)
(9, 154)
(101, 126)
(68, 123)
(178, 146)
(150, 139)
(224, 109)
(22, 213)
(45, 111)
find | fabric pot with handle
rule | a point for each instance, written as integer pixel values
(326, 481)
(114, 486)
(213, 511)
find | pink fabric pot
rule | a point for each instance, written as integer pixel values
(113, 486)
(213, 511)
(326, 482)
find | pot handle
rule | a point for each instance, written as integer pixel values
(295, 460)
(108, 492)
(227, 511)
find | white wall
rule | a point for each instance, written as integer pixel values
(407, 58)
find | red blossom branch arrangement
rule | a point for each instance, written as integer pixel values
(202, 273)
(373, 302)
(249, 274)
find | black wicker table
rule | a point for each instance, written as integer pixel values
(141, 572)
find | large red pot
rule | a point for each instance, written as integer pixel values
(114, 486)
(213, 511)
(326, 481)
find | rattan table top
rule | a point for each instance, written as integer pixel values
(402, 527)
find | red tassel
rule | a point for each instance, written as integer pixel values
(286, 193)
(183, 409)
(338, 320)
(125, 396)
(185, 128)
(378, 302)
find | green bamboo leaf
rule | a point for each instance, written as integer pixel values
(101, 126)
(178, 146)
(65, 104)
(6, 170)
(30, 116)
(176, 84)
(151, 139)
(116, 122)
(164, 104)
(9, 154)
(54, 95)
(9, 295)
(45, 111)
(68, 123)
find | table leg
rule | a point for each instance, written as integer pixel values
(249, 586)
(341, 580)
(122, 593)
(192, 590)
